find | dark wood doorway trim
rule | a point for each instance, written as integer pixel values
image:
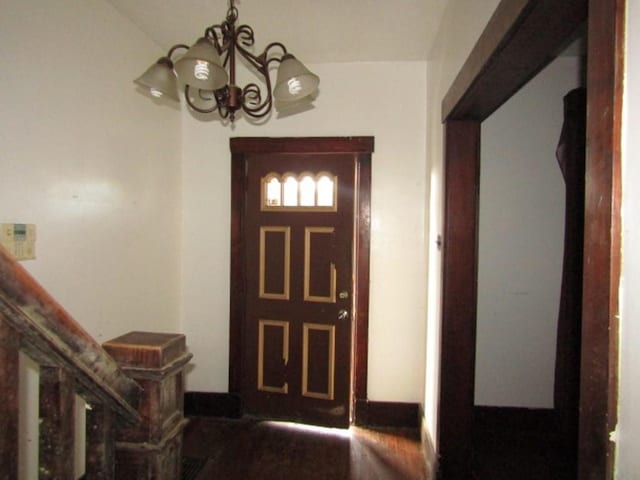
(521, 38)
(361, 148)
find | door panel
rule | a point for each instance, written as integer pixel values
(319, 269)
(299, 241)
(318, 360)
(273, 355)
(275, 260)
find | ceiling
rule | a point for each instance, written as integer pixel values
(316, 31)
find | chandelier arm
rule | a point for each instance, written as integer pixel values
(224, 113)
(244, 38)
(262, 60)
(277, 59)
(176, 47)
(251, 93)
(226, 60)
(194, 107)
(244, 35)
(217, 35)
(256, 62)
(252, 103)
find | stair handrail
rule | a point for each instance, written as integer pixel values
(50, 335)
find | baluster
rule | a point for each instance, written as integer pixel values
(100, 458)
(57, 419)
(9, 370)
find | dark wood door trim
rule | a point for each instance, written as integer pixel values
(511, 51)
(459, 302)
(516, 44)
(362, 149)
(356, 145)
(361, 297)
(602, 231)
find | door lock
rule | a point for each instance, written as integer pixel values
(343, 315)
(343, 294)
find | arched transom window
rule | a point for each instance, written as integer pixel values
(306, 191)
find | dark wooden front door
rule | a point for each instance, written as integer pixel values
(297, 251)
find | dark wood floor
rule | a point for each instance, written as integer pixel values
(249, 449)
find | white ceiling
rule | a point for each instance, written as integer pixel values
(316, 31)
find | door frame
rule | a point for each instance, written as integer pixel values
(520, 40)
(362, 149)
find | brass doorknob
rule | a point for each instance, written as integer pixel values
(343, 315)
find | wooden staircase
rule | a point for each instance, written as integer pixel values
(132, 385)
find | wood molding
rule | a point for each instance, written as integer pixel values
(459, 298)
(387, 414)
(363, 237)
(237, 280)
(510, 52)
(599, 364)
(210, 404)
(428, 448)
(246, 145)
(538, 419)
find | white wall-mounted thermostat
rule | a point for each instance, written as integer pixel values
(19, 239)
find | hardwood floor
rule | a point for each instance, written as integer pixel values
(250, 449)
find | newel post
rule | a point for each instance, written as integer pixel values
(157, 362)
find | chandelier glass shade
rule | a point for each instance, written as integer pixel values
(207, 73)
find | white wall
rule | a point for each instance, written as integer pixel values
(463, 22)
(385, 100)
(628, 461)
(95, 165)
(521, 242)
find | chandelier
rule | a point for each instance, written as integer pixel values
(207, 70)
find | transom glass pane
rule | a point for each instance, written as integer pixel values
(274, 193)
(290, 192)
(325, 192)
(307, 191)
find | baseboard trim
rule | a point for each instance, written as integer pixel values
(211, 404)
(387, 414)
(367, 413)
(428, 448)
